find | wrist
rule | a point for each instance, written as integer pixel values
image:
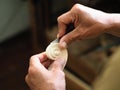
(114, 18)
(113, 24)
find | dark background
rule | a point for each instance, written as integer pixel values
(16, 51)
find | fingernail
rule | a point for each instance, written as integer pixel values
(63, 44)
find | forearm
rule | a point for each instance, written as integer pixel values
(114, 25)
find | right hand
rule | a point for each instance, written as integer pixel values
(88, 23)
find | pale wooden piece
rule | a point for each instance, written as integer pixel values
(110, 76)
(54, 51)
(75, 83)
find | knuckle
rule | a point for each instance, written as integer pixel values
(69, 39)
(59, 19)
(32, 58)
(76, 8)
(76, 5)
(62, 17)
(32, 70)
(26, 78)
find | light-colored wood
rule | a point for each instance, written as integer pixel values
(82, 69)
(54, 51)
(75, 83)
(110, 76)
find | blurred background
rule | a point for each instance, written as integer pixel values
(28, 26)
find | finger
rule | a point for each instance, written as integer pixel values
(42, 56)
(36, 65)
(69, 38)
(58, 65)
(44, 59)
(63, 21)
(47, 63)
(62, 29)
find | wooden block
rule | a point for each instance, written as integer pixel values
(80, 68)
(74, 83)
(109, 79)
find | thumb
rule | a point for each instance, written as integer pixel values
(69, 38)
(58, 64)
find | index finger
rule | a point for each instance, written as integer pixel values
(35, 63)
(42, 56)
(63, 21)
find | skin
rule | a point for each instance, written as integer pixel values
(88, 23)
(45, 74)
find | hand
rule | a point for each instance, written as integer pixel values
(88, 23)
(45, 74)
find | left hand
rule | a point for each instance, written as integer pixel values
(45, 74)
